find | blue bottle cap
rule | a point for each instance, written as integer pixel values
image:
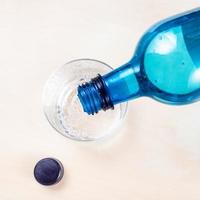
(48, 171)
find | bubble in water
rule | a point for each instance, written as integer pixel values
(77, 123)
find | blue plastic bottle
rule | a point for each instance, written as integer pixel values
(165, 67)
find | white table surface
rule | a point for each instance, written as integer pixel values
(156, 155)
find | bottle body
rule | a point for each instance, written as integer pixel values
(165, 66)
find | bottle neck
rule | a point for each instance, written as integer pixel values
(94, 96)
(103, 92)
(122, 84)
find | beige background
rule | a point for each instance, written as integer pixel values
(156, 155)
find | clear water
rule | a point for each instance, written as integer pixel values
(76, 124)
(63, 109)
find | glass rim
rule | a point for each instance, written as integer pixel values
(123, 107)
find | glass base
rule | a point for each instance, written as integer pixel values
(63, 109)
